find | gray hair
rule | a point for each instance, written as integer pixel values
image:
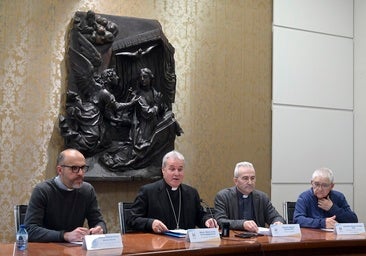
(323, 172)
(174, 154)
(242, 164)
(61, 157)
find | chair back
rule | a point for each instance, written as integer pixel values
(19, 215)
(124, 210)
(288, 211)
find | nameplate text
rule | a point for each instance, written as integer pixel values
(202, 235)
(349, 228)
(285, 230)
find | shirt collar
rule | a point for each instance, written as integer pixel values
(61, 185)
(169, 187)
(241, 195)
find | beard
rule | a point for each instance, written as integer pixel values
(77, 184)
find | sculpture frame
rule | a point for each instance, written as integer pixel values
(122, 127)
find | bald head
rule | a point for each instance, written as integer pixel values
(68, 154)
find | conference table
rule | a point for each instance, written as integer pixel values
(311, 242)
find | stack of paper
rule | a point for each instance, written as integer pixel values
(264, 231)
(176, 232)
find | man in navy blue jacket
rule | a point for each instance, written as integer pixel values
(321, 206)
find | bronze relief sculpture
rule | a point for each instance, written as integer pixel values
(121, 87)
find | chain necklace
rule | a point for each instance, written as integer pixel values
(179, 208)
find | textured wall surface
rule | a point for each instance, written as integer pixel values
(223, 101)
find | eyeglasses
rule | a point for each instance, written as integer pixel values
(318, 185)
(76, 169)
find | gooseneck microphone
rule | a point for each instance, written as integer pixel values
(209, 209)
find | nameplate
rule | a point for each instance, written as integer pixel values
(285, 230)
(349, 228)
(106, 241)
(202, 235)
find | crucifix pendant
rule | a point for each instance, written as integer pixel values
(177, 227)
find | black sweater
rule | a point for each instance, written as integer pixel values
(52, 211)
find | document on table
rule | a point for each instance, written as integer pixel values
(176, 232)
(78, 243)
(264, 231)
(328, 229)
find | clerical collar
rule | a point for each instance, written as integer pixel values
(170, 188)
(61, 185)
(241, 195)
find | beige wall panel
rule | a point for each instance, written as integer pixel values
(360, 110)
(325, 16)
(312, 69)
(305, 139)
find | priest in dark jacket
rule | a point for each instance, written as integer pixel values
(168, 204)
(244, 207)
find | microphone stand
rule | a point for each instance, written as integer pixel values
(209, 209)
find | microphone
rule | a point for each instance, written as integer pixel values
(209, 209)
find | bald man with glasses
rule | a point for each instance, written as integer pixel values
(320, 206)
(59, 206)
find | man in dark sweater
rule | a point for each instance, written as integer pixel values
(58, 207)
(243, 206)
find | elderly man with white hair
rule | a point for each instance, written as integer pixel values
(320, 206)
